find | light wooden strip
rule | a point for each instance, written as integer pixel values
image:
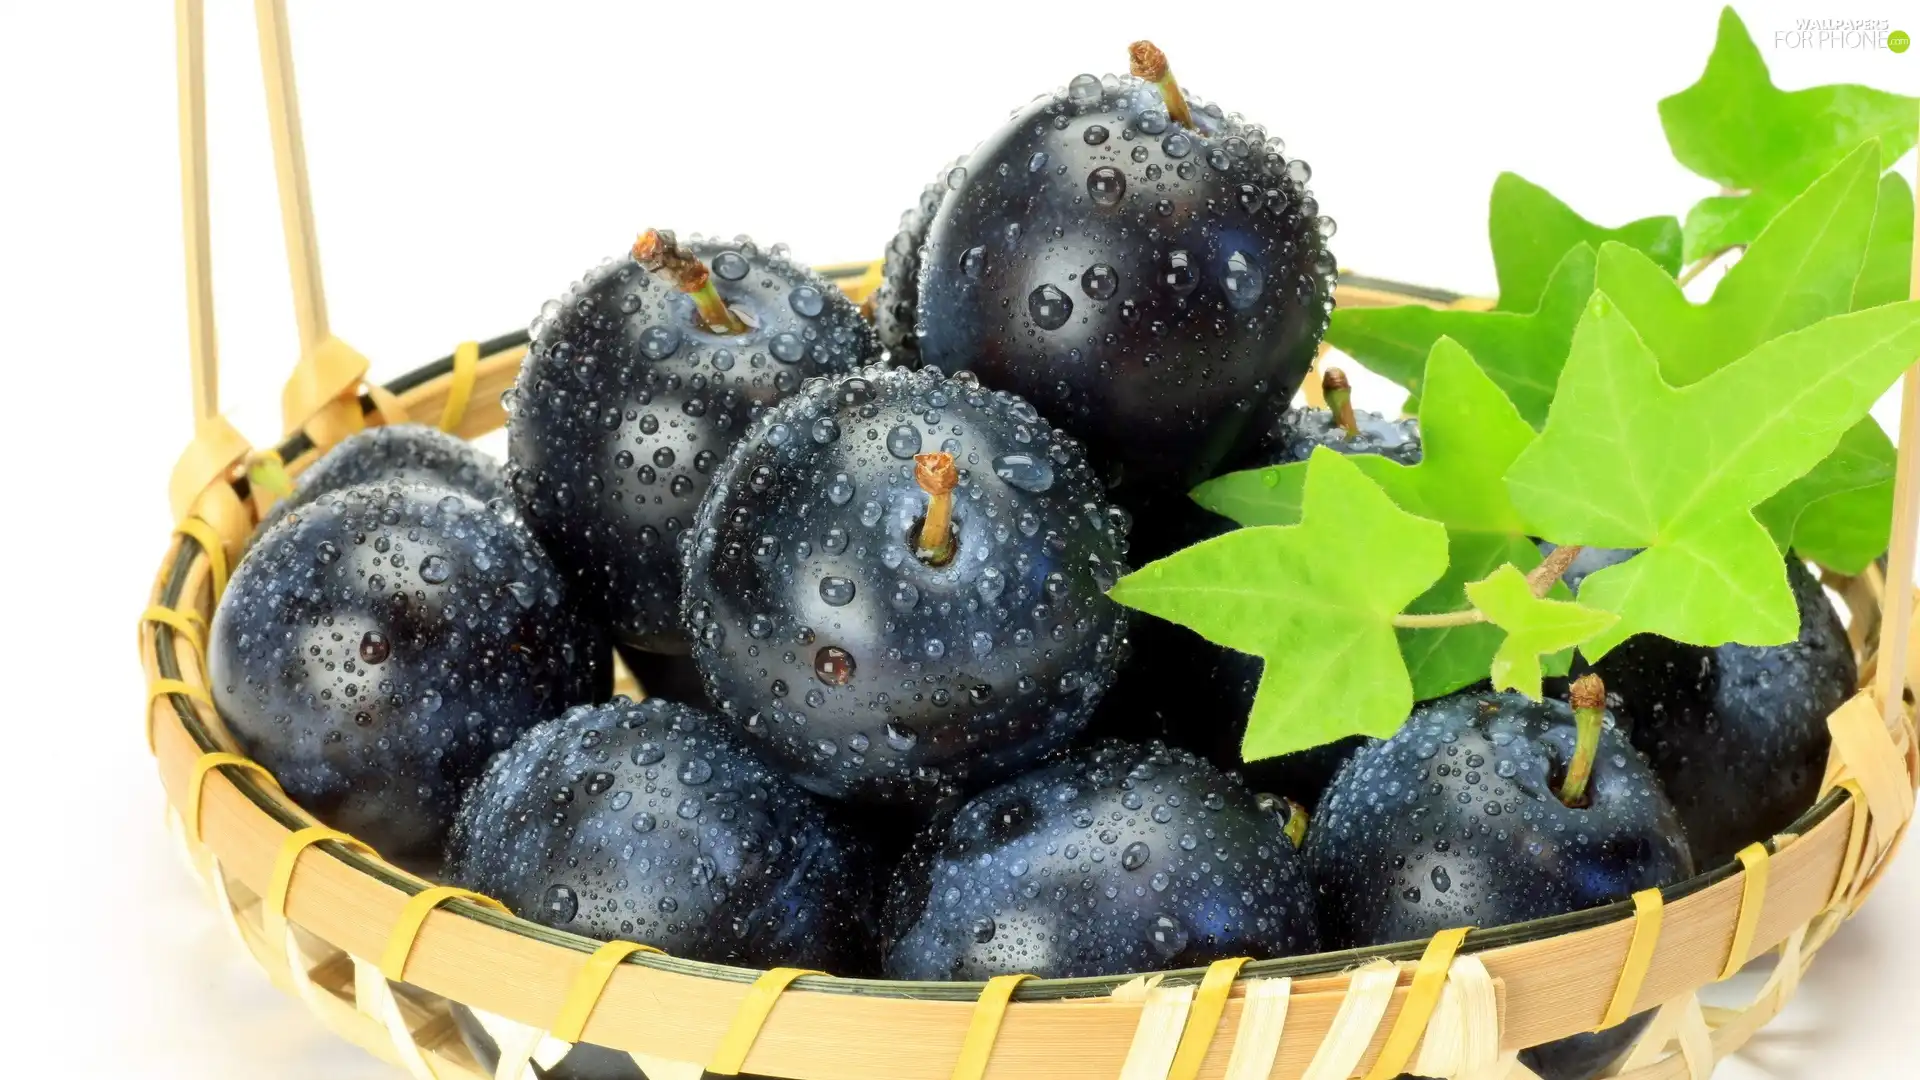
(1263, 1023)
(1163, 1014)
(1896, 611)
(1363, 1008)
(290, 170)
(1462, 1037)
(202, 350)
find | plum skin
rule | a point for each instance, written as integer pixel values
(1114, 858)
(395, 452)
(873, 675)
(1151, 286)
(625, 405)
(648, 821)
(378, 644)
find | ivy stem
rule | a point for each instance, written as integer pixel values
(1588, 696)
(1440, 620)
(1543, 577)
(1147, 62)
(1540, 581)
(937, 476)
(1338, 393)
(660, 252)
(1700, 266)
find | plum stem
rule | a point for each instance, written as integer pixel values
(1588, 696)
(1339, 394)
(1550, 570)
(937, 476)
(1296, 826)
(660, 252)
(1147, 62)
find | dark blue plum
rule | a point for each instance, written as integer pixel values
(626, 404)
(396, 452)
(380, 643)
(873, 673)
(1737, 733)
(1116, 858)
(894, 303)
(647, 821)
(1456, 821)
(1149, 284)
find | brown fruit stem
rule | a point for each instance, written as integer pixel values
(1588, 696)
(1339, 394)
(661, 253)
(937, 476)
(1296, 826)
(1147, 62)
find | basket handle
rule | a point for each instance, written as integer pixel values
(290, 173)
(202, 353)
(1896, 606)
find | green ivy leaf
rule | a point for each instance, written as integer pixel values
(1626, 460)
(1886, 273)
(1736, 128)
(1804, 267)
(1799, 270)
(1315, 600)
(1533, 627)
(1265, 496)
(1470, 435)
(1531, 231)
(1522, 353)
(1840, 514)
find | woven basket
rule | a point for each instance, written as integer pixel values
(379, 955)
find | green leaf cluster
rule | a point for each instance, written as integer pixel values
(1594, 404)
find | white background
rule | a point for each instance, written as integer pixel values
(469, 160)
